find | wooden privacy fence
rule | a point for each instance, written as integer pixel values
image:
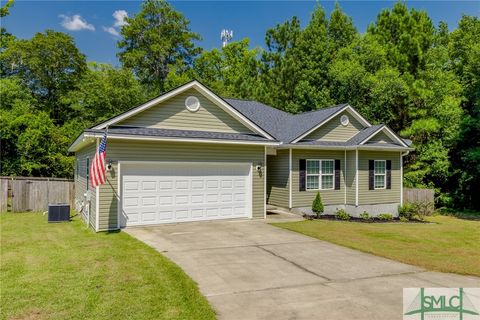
(418, 195)
(34, 194)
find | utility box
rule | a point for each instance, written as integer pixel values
(58, 212)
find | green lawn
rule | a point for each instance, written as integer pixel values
(448, 245)
(66, 271)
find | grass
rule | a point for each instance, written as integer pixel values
(448, 244)
(66, 271)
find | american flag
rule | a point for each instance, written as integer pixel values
(97, 168)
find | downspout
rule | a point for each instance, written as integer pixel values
(356, 177)
(402, 154)
(290, 178)
(265, 182)
(345, 177)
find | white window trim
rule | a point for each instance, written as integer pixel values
(380, 174)
(320, 175)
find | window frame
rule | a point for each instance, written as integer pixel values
(375, 174)
(320, 174)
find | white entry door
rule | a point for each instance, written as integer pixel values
(166, 192)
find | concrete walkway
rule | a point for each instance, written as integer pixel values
(251, 270)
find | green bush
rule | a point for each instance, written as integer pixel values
(406, 211)
(342, 215)
(385, 216)
(365, 215)
(403, 219)
(417, 210)
(424, 209)
(317, 205)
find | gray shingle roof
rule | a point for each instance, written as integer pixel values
(281, 125)
(364, 134)
(156, 132)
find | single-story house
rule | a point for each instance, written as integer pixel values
(190, 155)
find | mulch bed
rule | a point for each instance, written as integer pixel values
(356, 219)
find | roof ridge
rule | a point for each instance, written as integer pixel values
(322, 109)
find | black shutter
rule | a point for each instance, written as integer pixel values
(389, 174)
(302, 174)
(371, 174)
(337, 174)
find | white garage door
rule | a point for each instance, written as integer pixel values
(175, 192)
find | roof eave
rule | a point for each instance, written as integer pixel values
(359, 147)
(88, 136)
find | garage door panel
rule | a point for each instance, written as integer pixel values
(197, 199)
(181, 214)
(181, 199)
(197, 213)
(149, 216)
(212, 212)
(149, 201)
(168, 192)
(149, 185)
(129, 202)
(166, 185)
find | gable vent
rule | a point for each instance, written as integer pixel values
(192, 103)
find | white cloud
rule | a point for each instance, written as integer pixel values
(112, 31)
(119, 16)
(75, 23)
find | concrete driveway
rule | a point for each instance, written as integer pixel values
(251, 270)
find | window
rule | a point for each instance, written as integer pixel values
(380, 174)
(87, 170)
(320, 174)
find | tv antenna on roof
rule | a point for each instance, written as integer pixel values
(226, 36)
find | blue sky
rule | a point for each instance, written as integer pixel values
(87, 20)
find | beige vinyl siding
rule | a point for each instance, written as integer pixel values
(378, 196)
(334, 131)
(350, 177)
(381, 137)
(277, 179)
(81, 181)
(172, 114)
(305, 198)
(176, 151)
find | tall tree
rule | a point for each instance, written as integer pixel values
(102, 92)
(280, 71)
(49, 64)
(154, 40)
(406, 34)
(231, 71)
(464, 49)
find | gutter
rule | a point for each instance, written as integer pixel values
(84, 137)
(363, 147)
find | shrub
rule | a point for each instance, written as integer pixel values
(403, 219)
(342, 215)
(385, 216)
(406, 211)
(419, 210)
(423, 209)
(317, 205)
(365, 215)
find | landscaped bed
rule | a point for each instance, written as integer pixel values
(447, 244)
(66, 271)
(363, 220)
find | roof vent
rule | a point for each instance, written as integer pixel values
(192, 103)
(344, 120)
